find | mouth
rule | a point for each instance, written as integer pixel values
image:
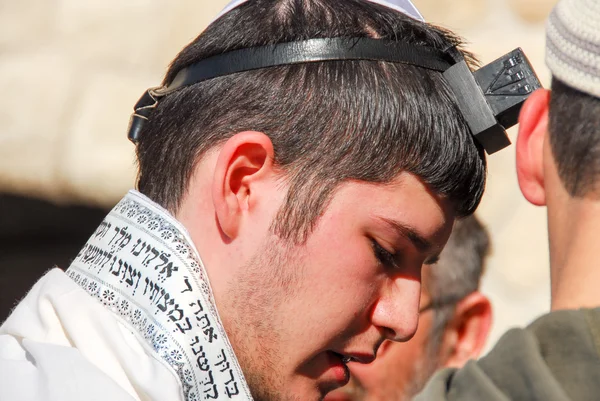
(338, 366)
(338, 373)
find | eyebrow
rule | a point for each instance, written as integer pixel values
(419, 242)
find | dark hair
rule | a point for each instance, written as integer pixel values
(457, 274)
(575, 138)
(328, 121)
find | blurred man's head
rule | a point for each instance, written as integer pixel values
(558, 150)
(453, 325)
(313, 192)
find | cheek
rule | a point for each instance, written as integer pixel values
(414, 349)
(390, 368)
(395, 361)
(340, 279)
(341, 251)
(343, 270)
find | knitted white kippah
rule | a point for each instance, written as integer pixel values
(573, 44)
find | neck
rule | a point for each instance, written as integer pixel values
(575, 268)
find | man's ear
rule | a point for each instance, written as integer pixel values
(467, 331)
(244, 160)
(533, 128)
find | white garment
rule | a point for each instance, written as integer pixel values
(133, 318)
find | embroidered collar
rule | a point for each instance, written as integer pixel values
(142, 265)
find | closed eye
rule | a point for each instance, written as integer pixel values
(385, 257)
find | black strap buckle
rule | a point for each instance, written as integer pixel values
(142, 110)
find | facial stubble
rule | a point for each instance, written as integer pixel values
(253, 318)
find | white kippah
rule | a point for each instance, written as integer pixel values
(403, 6)
(573, 44)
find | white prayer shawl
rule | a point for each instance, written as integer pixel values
(133, 318)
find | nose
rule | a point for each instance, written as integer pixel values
(396, 312)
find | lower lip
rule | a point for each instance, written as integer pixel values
(339, 369)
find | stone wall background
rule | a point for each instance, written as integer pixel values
(71, 70)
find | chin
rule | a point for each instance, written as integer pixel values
(300, 388)
(302, 394)
(338, 396)
(317, 392)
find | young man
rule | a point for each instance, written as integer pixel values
(288, 196)
(453, 325)
(557, 357)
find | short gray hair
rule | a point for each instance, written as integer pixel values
(457, 274)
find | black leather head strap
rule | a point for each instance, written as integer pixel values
(306, 51)
(476, 109)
